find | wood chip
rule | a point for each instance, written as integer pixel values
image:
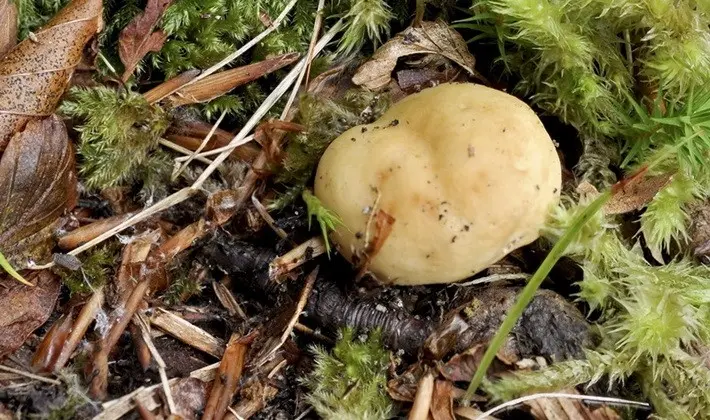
(188, 333)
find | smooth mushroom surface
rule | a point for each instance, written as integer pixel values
(467, 172)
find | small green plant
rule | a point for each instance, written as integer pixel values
(96, 265)
(5, 265)
(119, 135)
(182, 286)
(349, 382)
(327, 219)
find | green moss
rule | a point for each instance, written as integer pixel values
(350, 382)
(119, 133)
(96, 266)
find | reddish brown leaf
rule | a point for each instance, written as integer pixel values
(25, 308)
(8, 26)
(35, 73)
(37, 184)
(138, 39)
(218, 84)
(442, 401)
(52, 343)
(635, 192)
(221, 206)
(462, 366)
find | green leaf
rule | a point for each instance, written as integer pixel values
(5, 264)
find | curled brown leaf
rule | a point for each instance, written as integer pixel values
(34, 74)
(138, 39)
(37, 184)
(429, 38)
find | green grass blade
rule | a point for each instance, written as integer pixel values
(529, 291)
(5, 264)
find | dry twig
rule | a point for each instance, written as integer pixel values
(187, 333)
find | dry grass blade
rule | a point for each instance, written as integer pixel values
(218, 84)
(227, 299)
(296, 257)
(309, 57)
(169, 87)
(267, 217)
(8, 26)
(145, 333)
(30, 375)
(31, 88)
(588, 398)
(201, 146)
(302, 300)
(187, 333)
(184, 150)
(84, 234)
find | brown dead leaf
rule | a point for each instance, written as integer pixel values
(35, 73)
(221, 206)
(442, 401)
(8, 26)
(25, 308)
(462, 366)
(429, 38)
(218, 84)
(635, 193)
(137, 39)
(37, 184)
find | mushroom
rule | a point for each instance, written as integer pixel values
(468, 174)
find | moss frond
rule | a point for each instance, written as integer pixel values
(350, 381)
(366, 20)
(552, 378)
(96, 266)
(327, 219)
(665, 221)
(119, 132)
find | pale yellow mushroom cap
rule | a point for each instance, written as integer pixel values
(468, 173)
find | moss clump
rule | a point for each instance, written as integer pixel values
(119, 134)
(350, 382)
(96, 266)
